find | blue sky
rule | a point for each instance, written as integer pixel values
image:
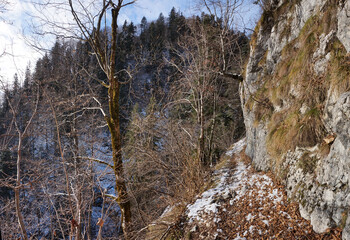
(14, 23)
(152, 8)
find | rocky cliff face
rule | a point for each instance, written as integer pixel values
(296, 103)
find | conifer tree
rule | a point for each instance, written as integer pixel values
(27, 79)
(16, 85)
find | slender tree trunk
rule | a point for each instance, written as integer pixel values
(106, 57)
(114, 127)
(77, 166)
(201, 134)
(18, 185)
(212, 130)
(78, 235)
(89, 226)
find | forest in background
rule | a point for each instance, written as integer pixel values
(179, 111)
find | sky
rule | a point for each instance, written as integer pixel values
(17, 38)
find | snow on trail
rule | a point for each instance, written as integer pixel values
(246, 204)
(231, 186)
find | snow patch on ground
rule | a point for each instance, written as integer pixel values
(245, 204)
(237, 147)
(249, 217)
(232, 186)
(207, 203)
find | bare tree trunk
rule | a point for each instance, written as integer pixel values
(21, 135)
(201, 134)
(106, 57)
(78, 234)
(212, 130)
(18, 185)
(114, 127)
(89, 227)
(77, 166)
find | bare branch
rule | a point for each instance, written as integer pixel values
(97, 161)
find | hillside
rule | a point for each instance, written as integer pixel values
(123, 130)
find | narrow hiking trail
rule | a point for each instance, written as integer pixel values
(246, 204)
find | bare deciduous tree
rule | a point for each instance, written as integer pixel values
(227, 14)
(210, 55)
(161, 166)
(106, 55)
(91, 20)
(22, 132)
(196, 86)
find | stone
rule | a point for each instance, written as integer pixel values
(320, 221)
(233, 194)
(304, 108)
(338, 216)
(324, 193)
(343, 17)
(226, 196)
(328, 196)
(304, 213)
(340, 121)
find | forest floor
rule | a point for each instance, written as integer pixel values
(245, 204)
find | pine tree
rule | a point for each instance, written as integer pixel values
(129, 40)
(57, 58)
(16, 85)
(27, 79)
(144, 32)
(173, 26)
(160, 31)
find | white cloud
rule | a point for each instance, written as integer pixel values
(17, 34)
(16, 53)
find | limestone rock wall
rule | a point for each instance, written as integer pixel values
(296, 92)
